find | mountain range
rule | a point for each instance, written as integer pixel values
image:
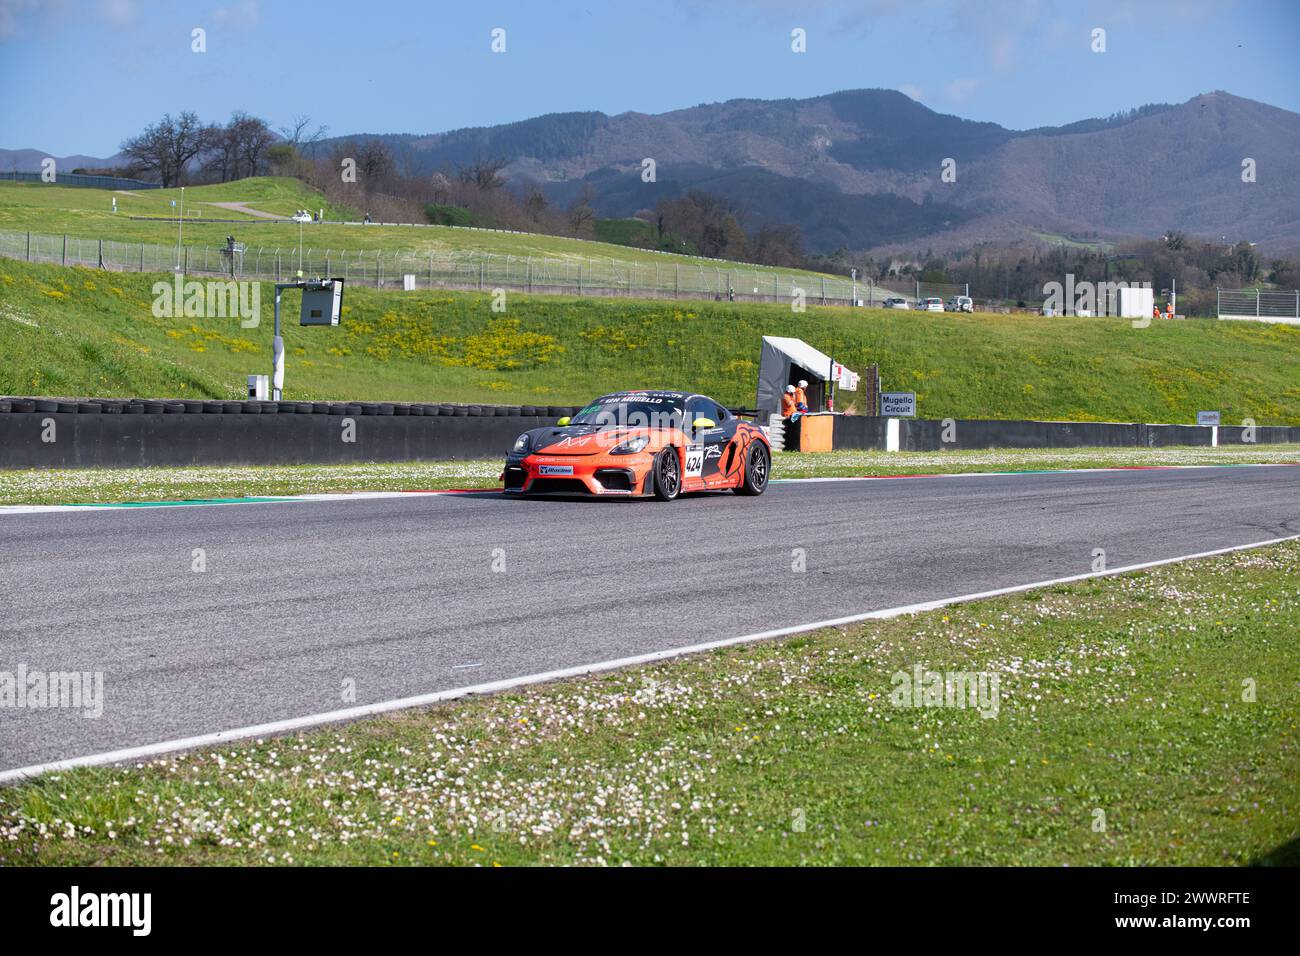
(865, 169)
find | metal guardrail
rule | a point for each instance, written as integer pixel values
(1264, 305)
(481, 271)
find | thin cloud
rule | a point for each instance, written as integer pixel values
(961, 89)
(10, 13)
(119, 13)
(239, 15)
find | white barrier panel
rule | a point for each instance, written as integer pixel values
(1282, 319)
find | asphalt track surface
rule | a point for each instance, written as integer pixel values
(399, 595)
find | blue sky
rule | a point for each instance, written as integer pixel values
(81, 75)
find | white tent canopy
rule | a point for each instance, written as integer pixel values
(779, 356)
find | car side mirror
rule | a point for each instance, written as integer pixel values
(705, 423)
(563, 421)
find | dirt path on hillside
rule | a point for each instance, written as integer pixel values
(243, 207)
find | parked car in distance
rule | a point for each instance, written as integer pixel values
(896, 303)
(932, 305)
(961, 303)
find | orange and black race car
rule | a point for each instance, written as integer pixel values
(642, 443)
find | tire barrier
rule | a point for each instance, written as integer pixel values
(111, 433)
(865, 432)
(120, 433)
(241, 407)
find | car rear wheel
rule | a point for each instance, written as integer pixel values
(667, 474)
(758, 468)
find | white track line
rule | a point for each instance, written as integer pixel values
(219, 503)
(361, 495)
(492, 687)
(1044, 471)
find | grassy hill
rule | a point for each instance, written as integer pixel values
(625, 232)
(84, 332)
(88, 213)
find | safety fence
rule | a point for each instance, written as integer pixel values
(80, 179)
(467, 270)
(940, 290)
(1259, 305)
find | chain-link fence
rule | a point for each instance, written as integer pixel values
(468, 270)
(1259, 304)
(940, 290)
(81, 179)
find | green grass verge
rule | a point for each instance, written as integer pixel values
(85, 332)
(97, 485)
(626, 232)
(79, 211)
(87, 213)
(1148, 719)
(1060, 239)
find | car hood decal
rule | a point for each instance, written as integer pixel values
(578, 439)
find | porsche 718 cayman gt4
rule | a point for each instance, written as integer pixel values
(642, 443)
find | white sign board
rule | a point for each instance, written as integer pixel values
(322, 302)
(1207, 418)
(1135, 303)
(898, 404)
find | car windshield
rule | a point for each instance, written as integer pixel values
(638, 412)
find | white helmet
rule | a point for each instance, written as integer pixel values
(803, 383)
(790, 389)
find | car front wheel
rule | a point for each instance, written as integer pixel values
(758, 468)
(667, 474)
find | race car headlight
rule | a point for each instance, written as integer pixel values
(521, 444)
(631, 446)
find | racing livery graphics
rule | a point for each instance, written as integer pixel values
(649, 443)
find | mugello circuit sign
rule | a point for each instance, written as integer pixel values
(898, 404)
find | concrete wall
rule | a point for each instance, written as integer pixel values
(915, 434)
(1264, 434)
(122, 434)
(859, 431)
(251, 433)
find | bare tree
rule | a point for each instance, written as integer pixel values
(710, 223)
(375, 161)
(483, 173)
(535, 204)
(581, 216)
(777, 244)
(238, 149)
(168, 146)
(253, 138)
(296, 134)
(222, 156)
(439, 188)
